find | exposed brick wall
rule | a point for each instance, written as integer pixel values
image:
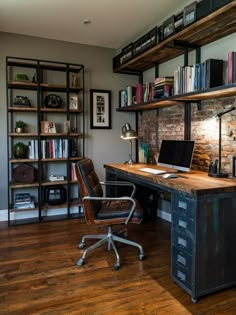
(168, 123)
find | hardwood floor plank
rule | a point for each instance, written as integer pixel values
(38, 274)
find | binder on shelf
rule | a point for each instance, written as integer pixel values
(214, 73)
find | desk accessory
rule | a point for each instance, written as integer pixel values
(128, 134)
(214, 169)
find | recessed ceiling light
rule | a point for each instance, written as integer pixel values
(87, 21)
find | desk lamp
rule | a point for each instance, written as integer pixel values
(218, 116)
(128, 134)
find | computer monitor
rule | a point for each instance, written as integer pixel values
(176, 154)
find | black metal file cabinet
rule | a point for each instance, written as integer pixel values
(203, 238)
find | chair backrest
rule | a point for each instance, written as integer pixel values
(89, 185)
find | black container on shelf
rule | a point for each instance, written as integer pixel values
(146, 42)
(126, 53)
(172, 25)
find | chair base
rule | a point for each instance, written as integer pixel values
(110, 238)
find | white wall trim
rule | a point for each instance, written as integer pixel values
(33, 214)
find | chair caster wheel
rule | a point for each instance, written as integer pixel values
(80, 262)
(116, 266)
(81, 245)
(141, 257)
(194, 300)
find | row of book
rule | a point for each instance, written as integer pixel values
(55, 149)
(186, 79)
(198, 77)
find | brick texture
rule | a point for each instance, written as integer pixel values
(168, 123)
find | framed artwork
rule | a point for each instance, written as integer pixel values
(74, 102)
(48, 127)
(100, 109)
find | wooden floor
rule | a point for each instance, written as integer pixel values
(38, 274)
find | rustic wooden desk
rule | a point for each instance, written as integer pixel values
(203, 228)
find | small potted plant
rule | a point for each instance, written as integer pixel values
(20, 126)
(20, 150)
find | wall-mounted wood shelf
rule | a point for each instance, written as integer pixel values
(213, 93)
(214, 26)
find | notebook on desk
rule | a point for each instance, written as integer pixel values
(152, 170)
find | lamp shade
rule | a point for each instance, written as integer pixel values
(128, 133)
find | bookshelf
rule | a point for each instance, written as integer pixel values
(48, 152)
(193, 97)
(216, 25)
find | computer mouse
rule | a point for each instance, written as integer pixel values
(169, 175)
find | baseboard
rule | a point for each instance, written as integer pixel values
(164, 215)
(3, 215)
(33, 214)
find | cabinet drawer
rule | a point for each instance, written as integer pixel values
(182, 276)
(182, 241)
(181, 259)
(182, 205)
(183, 224)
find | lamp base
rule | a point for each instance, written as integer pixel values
(218, 175)
(130, 162)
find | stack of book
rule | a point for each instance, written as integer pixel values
(23, 201)
(163, 87)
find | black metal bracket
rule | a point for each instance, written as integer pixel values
(180, 44)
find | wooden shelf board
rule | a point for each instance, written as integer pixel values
(57, 110)
(22, 161)
(57, 182)
(213, 93)
(23, 83)
(23, 185)
(22, 109)
(212, 27)
(53, 160)
(60, 134)
(23, 134)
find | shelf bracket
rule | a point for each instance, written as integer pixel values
(180, 44)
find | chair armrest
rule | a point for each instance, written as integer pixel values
(120, 183)
(118, 199)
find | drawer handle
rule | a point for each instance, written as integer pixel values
(182, 242)
(181, 276)
(182, 205)
(182, 224)
(181, 260)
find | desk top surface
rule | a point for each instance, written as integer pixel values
(193, 182)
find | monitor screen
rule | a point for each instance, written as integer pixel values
(176, 154)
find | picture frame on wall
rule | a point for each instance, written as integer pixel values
(100, 109)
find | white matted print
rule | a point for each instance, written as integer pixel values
(100, 109)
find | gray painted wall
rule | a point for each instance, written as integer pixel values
(103, 146)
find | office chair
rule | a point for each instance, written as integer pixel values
(102, 211)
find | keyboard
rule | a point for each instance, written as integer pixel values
(152, 170)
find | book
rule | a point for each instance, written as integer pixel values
(214, 73)
(139, 93)
(131, 93)
(231, 67)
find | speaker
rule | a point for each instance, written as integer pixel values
(55, 195)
